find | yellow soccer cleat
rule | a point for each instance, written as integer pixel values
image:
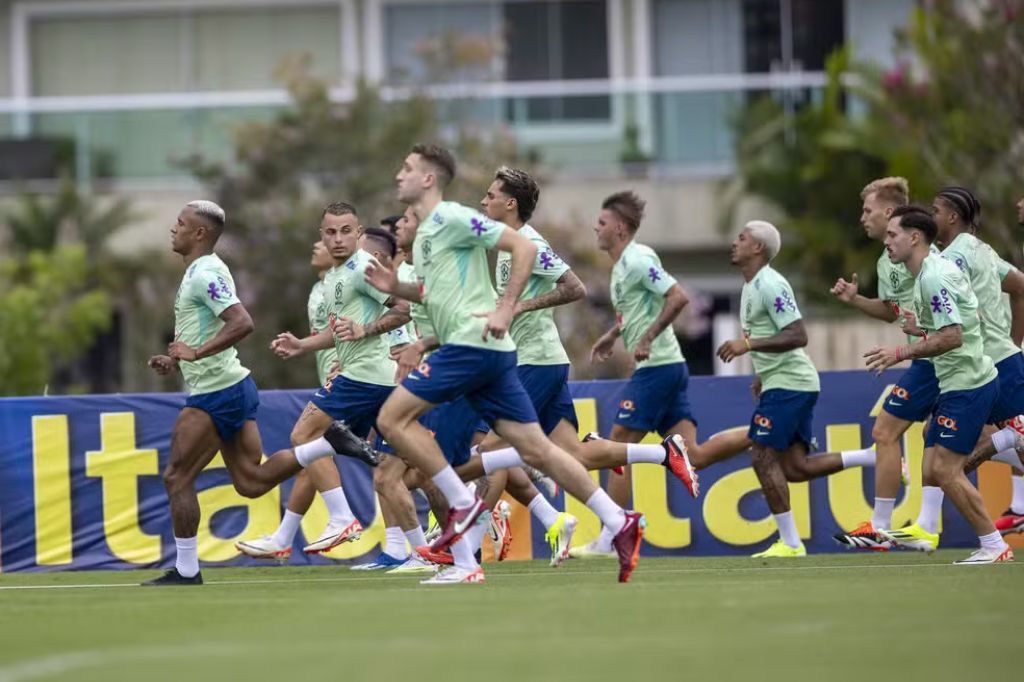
(780, 550)
(559, 537)
(912, 537)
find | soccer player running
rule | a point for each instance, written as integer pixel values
(220, 411)
(947, 311)
(914, 394)
(358, 316)
(476, 358)
(786, 384)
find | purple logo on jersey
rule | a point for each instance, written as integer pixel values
(784, 301)
(218, 289)
(652, 272)
(478, 226)
(212, 290)
(936, 304)
(779, 305)
(546, 261)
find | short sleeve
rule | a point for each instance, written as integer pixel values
(548, 264)
(1003, 268)
(214, 290)
(467, 228)
(366, 288)
(397, 337)
(885, 292)
(938, 296)
(651, 275)
(778, 301)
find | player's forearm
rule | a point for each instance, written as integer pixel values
(1017, 319)
(523, 254)
(874, 307)
(232, 332)
(675, 301)
(790, 338)
(319, 341)
(945, 340)
(407, 291)
(425, 345)
(392, 319)
(569, 288)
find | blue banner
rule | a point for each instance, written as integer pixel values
(80, 484)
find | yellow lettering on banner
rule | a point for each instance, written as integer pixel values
(589, 526)
(722, 515)
(846, 488)
(51, 476)
(315, 520)
(118, 465)
(263, 516)
(650, 496)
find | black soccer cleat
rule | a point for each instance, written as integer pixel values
(349, 444)
(172, 577)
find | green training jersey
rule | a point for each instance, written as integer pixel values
(638, 287)
(206, 291)
(405, 334)
(316, 308)
(767, 307)
(348, 295)
(450, 257)
(534, 332)
(985, 271)
(943, 297)
(896, 286)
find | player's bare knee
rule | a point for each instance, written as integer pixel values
(176, 479)
(883, 433)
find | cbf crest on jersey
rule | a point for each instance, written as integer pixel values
(505, 272)
(894, 280)
(339, 290)
(427, 248)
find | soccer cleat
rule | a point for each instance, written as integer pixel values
(172, 578)
(433, 528)
(559, 536)
(905, 471)
(349, 444)
(499, 530)
(780, 550)
(912, 537)
(382, 562)
(542, 479)
(864, 536)
(458, 522)
(678, 462)
(334, 534)
(1010, 522)
(264, 548)
(627, 544)
(414, 565)
(594, 435)
(987, 556)
(443, 558)
(591, 551)
(453, 575)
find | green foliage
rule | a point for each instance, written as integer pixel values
(50, 316)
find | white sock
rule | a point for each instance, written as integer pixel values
(1017, 503)
(187, 562)
(603, 543)
(416, 537)
(611, 514)
(285, 533)
(1008, 456)
(931, 508)
(307, 453)
(452, 487)
(394, 544)
(337, 505)
(858, 458)
(637, 452)
(787, 529)
(542, 509)
(475, 535)
(881, 517)
(993, 541)
(1004, 439)
(505, 458)
(462, 552)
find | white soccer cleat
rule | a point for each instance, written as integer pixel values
(987, 556)
(414, 565)
(264, 548)
(559, 537)
(499, 531)
(334, 534)
(453, 575)
(592, 551)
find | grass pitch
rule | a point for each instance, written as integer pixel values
(838, 617)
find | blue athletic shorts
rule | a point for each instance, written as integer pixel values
(229, 408)
(914, 395)
(548, 388)
(454, 425)
(655, 399)
(960, 416)
(783, 417)
(1010, 402)
(488, 378)
(357, 402)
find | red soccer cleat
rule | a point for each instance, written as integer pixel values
(459, 521)
(678, 462)
(627, 544)
(440, 558)
(1010, 522)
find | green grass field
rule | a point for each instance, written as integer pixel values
(839, 617)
